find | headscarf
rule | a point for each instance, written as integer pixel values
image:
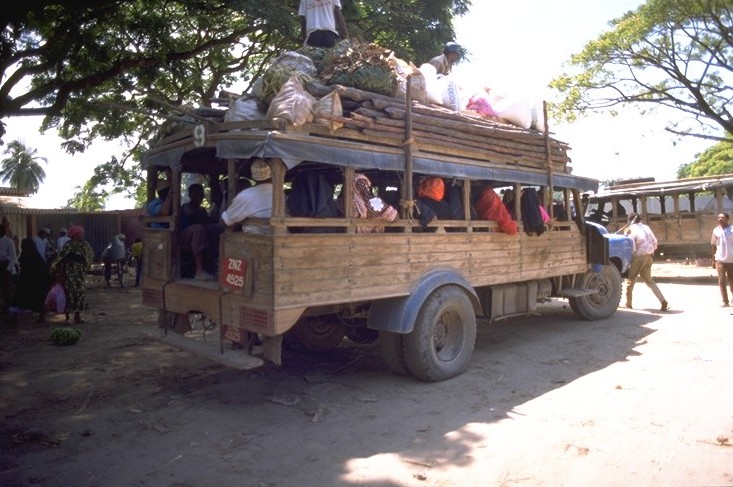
(490, 207)
(433, 188)
(75, 230)
(366, 205)
(531, 214)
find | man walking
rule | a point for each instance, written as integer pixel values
(722, 242)
(645, 243)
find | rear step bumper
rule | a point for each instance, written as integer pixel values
(210, 350)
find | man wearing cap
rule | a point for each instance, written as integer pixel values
(63, 238)
(444, 63)
(45, 249)
(255, 201)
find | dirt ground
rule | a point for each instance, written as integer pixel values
(644, 398)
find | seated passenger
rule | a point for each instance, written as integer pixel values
(432, 203)
(532, 217)
(311, 196)
(490, 207)
(199, 233)
(160, 206)
(508, 200)
(255, 201)
(366, 205)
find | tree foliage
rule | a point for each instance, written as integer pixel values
(112, 69)
(667, 53)
(715, 160)
(22, 168)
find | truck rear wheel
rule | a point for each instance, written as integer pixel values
(603, 304)
(441, 344)
(314, 334)
(393, 353)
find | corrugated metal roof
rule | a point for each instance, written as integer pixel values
(677, 186)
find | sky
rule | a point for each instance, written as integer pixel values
(516, 48)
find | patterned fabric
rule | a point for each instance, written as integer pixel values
(645, 243)
(366, 205)
(75, 258)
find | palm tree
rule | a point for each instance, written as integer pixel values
(22, 168)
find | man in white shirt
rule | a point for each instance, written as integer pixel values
(645, 243)
(321, 22)
(8, 258)
(255, 201)
(722, 242)
(61, 241)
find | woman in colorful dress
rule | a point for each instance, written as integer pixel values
(70, 265)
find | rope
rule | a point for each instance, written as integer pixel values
(409, 207)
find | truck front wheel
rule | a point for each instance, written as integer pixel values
(442, 341)
(604, 303)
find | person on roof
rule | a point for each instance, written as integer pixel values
(321, 22)
(444, 63)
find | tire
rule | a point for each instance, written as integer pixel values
(314, 334)
(605, 303)
(441, 344)
(393, 353)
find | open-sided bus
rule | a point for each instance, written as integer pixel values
(417, 291)
(682, 213)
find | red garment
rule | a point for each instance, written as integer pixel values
(490, 207)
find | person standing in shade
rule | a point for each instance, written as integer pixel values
(722, 242)
(444, 63)
(321, 22)
(69, 268)
(645, 243)
(61, 241)
(33, 281)
(8, 259)
(137, 253)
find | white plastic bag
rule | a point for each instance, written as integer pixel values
(55, 299)
(292, 103)
(244, 109)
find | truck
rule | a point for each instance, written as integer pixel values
(682, 213)
(414, 289)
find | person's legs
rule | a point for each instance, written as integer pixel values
(194, 240)
(646, 275)
(107, 271)
(139, 271)
(322, 38)
(723, 282)
(729, 276)
(632, 275)
(5, 285)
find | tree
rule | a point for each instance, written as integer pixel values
(111, 69)
(715, 160)
(22, 168)
(667, 53)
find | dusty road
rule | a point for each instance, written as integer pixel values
(642, 399)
